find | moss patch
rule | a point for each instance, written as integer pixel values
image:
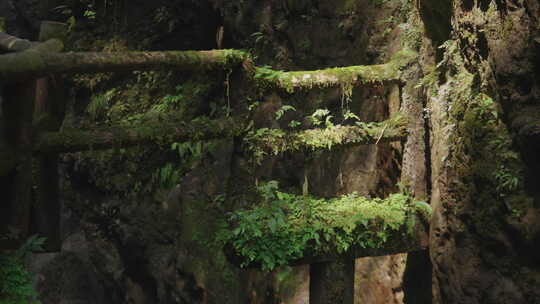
(285, 226)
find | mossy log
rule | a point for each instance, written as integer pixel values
(154, 131)
(28, 64)
(277, 141)
(48, 30)
(10, 43)
(398, 241)
(292, 229)
(342, 76)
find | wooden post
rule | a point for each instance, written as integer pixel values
(19, 108)
(331, 282)
(49, 112)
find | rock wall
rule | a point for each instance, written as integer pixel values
(483, 232)
(155, 247)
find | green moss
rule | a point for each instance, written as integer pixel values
(486, 168)
(263, 142)
(284, 226)
(344, 76)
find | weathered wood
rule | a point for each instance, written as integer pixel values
(10, 43)
(154, 131)
(23, 65)
(322, 284)
(398, 241)
(277, 141)
(171, 129)
(53, 30)
(49, 112)
(7, 149)
(346, 77)
(20, 110)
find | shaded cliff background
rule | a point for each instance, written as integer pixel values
(138, 223)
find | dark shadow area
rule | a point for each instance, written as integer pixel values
(417, 278)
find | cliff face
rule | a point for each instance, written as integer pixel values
(138, 224)
(484, 231)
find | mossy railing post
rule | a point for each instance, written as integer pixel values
(49, 114)
(19, 107)
(322, 288)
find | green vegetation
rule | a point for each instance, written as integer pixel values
(15, 280)
(265, 141)
(284, 226)
(496, 186)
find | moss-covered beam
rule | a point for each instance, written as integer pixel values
(27, 64)
(276, 141)
(10, 43)
(399, 241)
(48, 30)
(159, 130)
(342, 76)
(294, 229)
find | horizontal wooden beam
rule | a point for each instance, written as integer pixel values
(398, 241)
(159, 130)
(10, 43)
(341, 76)
(291, 229)
(264, 142)
(23, 65)
(170, 129)
(48, 30)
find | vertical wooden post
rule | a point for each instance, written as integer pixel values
(349, 270)
(49, 114)
(331, 282)
(19, 110)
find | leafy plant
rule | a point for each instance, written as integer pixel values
(259, 37)
(267, 73)
(283, 109)
(100, 103)
(15, 280)
(320, 116)
(283, 225)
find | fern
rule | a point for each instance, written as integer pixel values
(15, 280)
